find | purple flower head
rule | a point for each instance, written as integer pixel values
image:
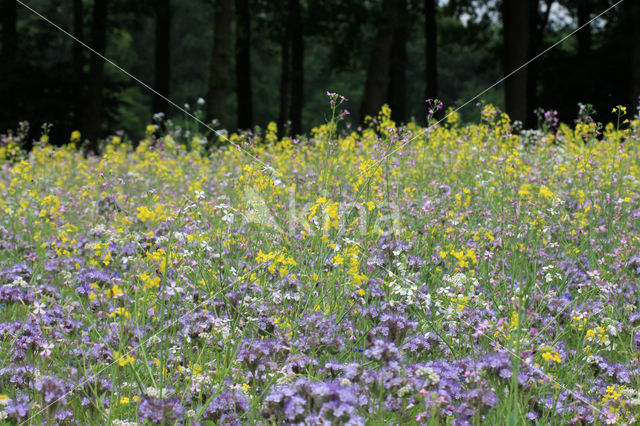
(226, 407)
(53, 390)
(19, 407)
(261, 356)
(159, 411)
(305, 400)
(320, 333)
(393, 327)
(19, 270)
(381, 350)
(12, 294)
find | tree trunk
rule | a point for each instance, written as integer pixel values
(93, 112)
(397, 90)
(536, 23)
(163, 55)
(516, 33)
(78, 32)
(78, 57)
(431, 49)
(9, 30)
(297, 67)
(243, 64)
(219, 80)
(379, 65)
(285, 77)
(635, 55)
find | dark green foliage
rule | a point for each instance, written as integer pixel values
(45, 76)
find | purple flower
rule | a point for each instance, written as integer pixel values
(394, 327)
(158, 411)
(53, 390)
(19, 407)
(306, 401)
(226, 407)
(319, 333)
(19, 270)
(261, 356)
(382, 350)
(12, 294)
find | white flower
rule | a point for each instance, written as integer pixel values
(431, 374)
(19, 282)
(228, 217)
(200, 101)
(407, 389)
(156, 393)
(39, 308)
(173, 289)
(46, 351)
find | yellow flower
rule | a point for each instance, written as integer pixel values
(525, 190)
(552, 355)
(107, 259)
(125, 360)
(76, 136)
(545, 192)
(145, 214)
(150, 283)
(124, 400)
(115, 292)
(151, 130)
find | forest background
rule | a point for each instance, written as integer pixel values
(256, 61)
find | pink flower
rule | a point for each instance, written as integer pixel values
(611, 418)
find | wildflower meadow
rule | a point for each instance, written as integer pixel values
(451, 274)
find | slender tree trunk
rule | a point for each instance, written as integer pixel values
(538, 24)
(397, 89)
(297, 67)
(78, 32)
(537, 31)
(285, 77)
(219, 77)
(163, 55)
(78, 57)
(243, 64)
(431, 49)
(635, 54)
(516, 33)
(374, 90)
(93, 114)
(9, 20)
